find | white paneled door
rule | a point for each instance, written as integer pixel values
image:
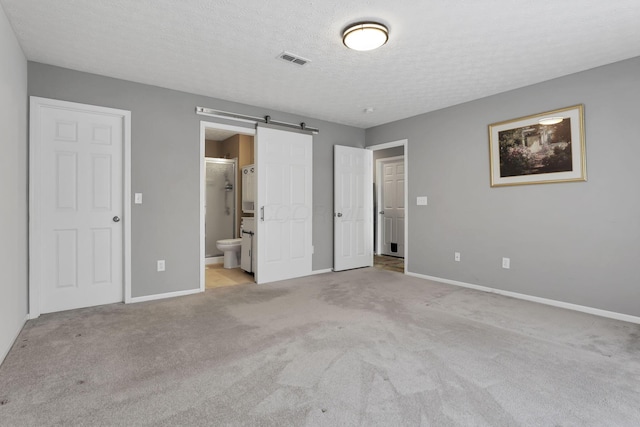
(284, 208)
(77, 206)
(392, 207)
(353, 208)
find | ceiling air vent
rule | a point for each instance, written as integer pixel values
(294, 59)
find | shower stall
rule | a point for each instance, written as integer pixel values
(220, 204)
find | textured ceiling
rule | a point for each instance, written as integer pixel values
(440, 52)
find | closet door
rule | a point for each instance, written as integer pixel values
(284, 207)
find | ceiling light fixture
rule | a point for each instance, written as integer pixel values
(550, 120)
(365, 36)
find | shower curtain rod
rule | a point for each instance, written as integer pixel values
(203, 111)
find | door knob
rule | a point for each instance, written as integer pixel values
(339, 215)
(381, 212)
(116, 218)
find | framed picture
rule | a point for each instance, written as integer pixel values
(543, 148)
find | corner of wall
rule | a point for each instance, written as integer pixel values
(13, 187)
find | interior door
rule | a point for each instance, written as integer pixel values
(284, 162)
(392, 207)
(353, 208)
(76, 250)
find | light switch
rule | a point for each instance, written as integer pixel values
(421, 200)
(138, 199)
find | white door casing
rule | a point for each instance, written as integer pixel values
(204, 125)
(284, 206)
(353, 208)
(391, 207)
(79, 206)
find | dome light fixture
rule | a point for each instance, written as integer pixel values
(365, 36)
(550, 120)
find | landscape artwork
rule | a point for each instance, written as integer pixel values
(542, 148)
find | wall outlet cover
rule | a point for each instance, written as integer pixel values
(421, 201)
(161, 265)
(506, 263)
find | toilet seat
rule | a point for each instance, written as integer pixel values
(227, 242)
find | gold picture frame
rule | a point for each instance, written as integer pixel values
(539, 149)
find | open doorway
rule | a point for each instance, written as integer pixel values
(390, 202)
(225, 152)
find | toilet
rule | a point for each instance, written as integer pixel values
(231, 249)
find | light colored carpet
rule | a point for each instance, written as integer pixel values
(361, 347)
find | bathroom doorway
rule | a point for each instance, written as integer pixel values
(224, 150)
(220, 205)
(390, 201)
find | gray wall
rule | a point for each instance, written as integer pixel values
(574, 242)
(165, 168)
(13, 187)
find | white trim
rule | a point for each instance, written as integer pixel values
(203, 126)
(392, 144)
(35, 235)
(6, 351)
(35, 205)
(378, 167)
(221, 126)
(214, 260)
(203, 177)
(164, 296)
(546, 301)
(128, 219)
(326, 270)
(401, 143)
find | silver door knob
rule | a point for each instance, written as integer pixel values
(339, 215)
(381, 212)
(116, 219)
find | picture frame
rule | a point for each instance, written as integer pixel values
(542, 148)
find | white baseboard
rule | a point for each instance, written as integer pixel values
(546, 301)
(326, 270)
(214, 260)
(167, 295)
(5, 351)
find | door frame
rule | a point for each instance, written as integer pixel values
(378, 167)
(405, 144)
(203, 127)
(35, 193)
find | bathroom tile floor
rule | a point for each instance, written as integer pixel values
(217, 276)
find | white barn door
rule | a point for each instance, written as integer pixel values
(76, 197)
(284, 227)
(353, 208)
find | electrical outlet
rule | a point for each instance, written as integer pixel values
(506, 263)
(137, 199)
(456, 256)
(161, 265)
